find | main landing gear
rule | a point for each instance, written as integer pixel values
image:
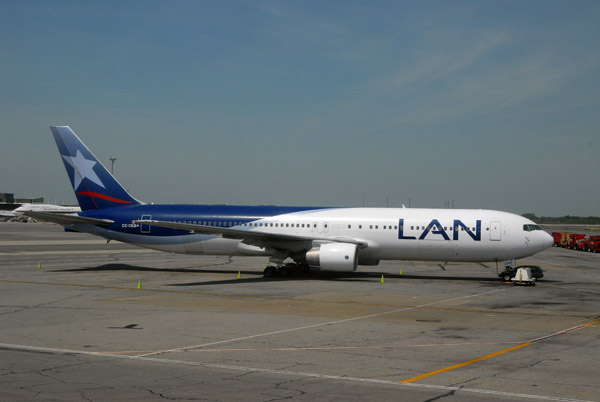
(286, 270)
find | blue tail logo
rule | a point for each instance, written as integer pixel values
(94, 186)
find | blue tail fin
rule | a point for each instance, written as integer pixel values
(94, 186)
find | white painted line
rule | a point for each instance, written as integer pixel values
(133, 250)
(317, 325)
(289, 373)
(316, 348)
(51, 242)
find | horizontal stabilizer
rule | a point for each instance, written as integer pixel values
(68, 219)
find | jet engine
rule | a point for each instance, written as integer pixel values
(334, 257)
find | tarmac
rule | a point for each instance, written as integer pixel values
(81, 319)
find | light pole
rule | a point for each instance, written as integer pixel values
(112, 163)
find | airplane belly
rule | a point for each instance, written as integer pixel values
(193, 247)
(221, 246)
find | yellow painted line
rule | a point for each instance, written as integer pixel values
(436, 372)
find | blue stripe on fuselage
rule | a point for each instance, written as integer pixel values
(226, 214)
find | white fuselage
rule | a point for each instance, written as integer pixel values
(388, 233)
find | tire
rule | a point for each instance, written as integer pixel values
(270, 271)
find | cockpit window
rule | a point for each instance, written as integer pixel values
(531, 228)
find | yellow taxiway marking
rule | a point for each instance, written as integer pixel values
(489, 356)
(436, 372)
(327, 377)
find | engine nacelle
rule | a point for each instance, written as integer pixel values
(334, 257)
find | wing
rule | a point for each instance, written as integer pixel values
(67, 219)
(253, 237)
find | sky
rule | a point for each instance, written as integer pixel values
(472, 104)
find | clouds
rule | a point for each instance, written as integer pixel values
(310, 103)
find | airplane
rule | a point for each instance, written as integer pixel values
(6, 210)
(51, 208)
(296, 239)
(27, 207)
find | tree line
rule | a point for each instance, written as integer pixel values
(568, 219)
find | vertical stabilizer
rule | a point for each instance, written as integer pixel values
(94, 186)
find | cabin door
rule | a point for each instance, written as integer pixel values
(144, 227)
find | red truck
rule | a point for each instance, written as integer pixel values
(582, 244)
(574, 240)
(594, 244)
(557, 238)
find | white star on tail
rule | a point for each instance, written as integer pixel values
(82, 168)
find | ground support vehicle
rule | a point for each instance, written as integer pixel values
(524, 276)
(510, 272)
(557, 238)
(574, 240)
(594, 244)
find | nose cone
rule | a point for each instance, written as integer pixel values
(547, 240)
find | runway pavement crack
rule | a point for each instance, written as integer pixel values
(56, 370)
(85, 398)
(462, 383)
(447, 394)
(18, 309)
(162, 395)
(538, 362)
(284, 387)
(39, 305)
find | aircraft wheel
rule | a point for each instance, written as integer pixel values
(270, 271)
(285, 271)
(292, 269)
